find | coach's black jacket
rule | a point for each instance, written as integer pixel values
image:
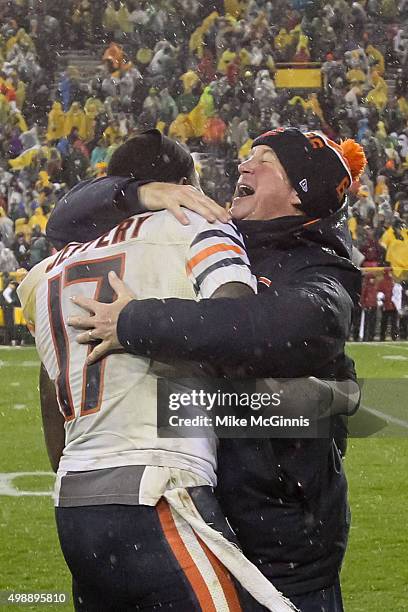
(286, 499)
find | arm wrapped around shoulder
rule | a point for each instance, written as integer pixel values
(289, 330)
(92, 208)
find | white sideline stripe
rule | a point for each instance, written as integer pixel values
(17, 348)
(22, 364)
(386, 417)
(202, 562)
(8, 489)
(398, 345)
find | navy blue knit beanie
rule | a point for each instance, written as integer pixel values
(317, 167)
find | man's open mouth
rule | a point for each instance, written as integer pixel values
(244, 191)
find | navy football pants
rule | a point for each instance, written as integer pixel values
(135, 558)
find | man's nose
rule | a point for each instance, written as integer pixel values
(245, 166)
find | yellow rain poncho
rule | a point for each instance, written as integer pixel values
(45, 152)
(109, 17)
(378, 96)
(144, 56)
(21, 122)
(297, 100)
(43, 180)
(25, 159)
(225, 60)
(161, 126)
(111, 134)
(38, 218)
(207, 102)
(236, 8)
(381, 187)
(397, 251)
(312, 103)
(5, 110)
(123, 19)
(20, 94)
(198, 118)
(245, 150)
(270, 64)
(92, 108)
(282, 40)
(196, 44)
(303, 45)
(246, 58)
(75, 118)
(389, 9)
(403, 106)
(352, 225)
(355, 75)
(21, 227)
(181, 128)
(189, 80)
(56, 122)
(20, 37)
(374, 54)
(381, 132)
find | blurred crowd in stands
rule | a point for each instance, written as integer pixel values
(211, 75)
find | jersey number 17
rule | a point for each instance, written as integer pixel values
(95, 271)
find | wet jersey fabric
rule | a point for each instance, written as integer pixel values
(110, 407)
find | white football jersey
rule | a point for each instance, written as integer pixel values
(110, 407)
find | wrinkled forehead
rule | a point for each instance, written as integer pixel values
(260, 153)
(263, 153)
(263, 150)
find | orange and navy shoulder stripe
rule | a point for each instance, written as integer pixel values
(221, 247)
(213, 249)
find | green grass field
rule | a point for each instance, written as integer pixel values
(375, 575)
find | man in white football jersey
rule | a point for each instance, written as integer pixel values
(123, 507)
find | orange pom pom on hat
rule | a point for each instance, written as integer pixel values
(320, 170)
